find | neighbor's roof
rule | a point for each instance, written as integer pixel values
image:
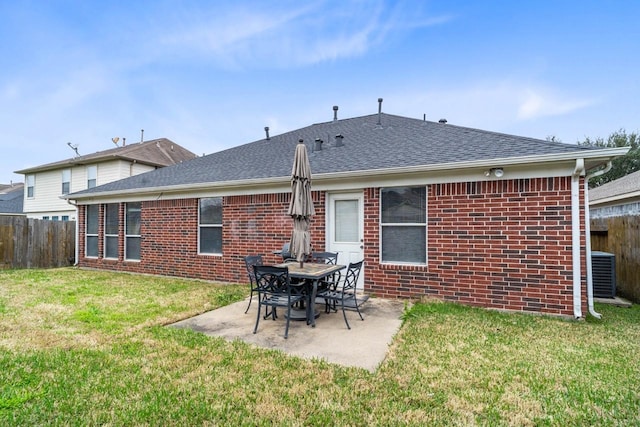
(397, 142)
(625, 187)
(11, 198)
(157, 152)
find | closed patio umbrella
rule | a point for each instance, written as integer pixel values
(301, 205)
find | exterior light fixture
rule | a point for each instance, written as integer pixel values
(497, 172)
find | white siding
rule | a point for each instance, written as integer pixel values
(48, 186)
(46, 194)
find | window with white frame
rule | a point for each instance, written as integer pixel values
(91, 231)
(111, 225)
(92, 176)
(210, 226)
(66, 181)
(403, 223)
(132, 234)
(31, 185)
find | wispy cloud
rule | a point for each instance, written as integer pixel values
(543, 102)
(490, 105)
(293, 35)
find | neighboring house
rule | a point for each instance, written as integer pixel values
(46, 185)
(435, 210)
(615, 225)
(11, 197)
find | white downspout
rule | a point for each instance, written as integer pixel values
(575, 236)
(587, 230)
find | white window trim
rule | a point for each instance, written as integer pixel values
(131, 236)
(68, 172)
(201, 226)
(87, 234)
(107, 235)
(406, 224)
(31, 178)
(95, 178)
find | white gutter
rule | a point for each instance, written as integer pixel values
(603, 154)
(575, 236)
(587, 231)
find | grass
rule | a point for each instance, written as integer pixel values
(89, 348)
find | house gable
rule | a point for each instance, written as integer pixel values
(48, 200)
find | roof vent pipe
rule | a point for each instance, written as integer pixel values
(318, 145)
(443, 121)
(266, 130)
(124, 141)
(379, 110)
(335, 113)
(141, 135)
(339, 139)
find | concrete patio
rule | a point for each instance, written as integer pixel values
(364, 346)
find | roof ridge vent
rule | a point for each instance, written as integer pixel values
(443, 121)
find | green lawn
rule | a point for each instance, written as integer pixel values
(89, 348)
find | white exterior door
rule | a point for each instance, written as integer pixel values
(345, 228)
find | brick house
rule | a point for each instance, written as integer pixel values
(437, 210)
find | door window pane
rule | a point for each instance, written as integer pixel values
(346, 221)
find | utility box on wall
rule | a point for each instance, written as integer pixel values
(604, 274)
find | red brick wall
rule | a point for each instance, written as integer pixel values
(256, 224)
(500, 244)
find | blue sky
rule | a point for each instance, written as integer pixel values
(212, 74)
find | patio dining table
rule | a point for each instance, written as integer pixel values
(312, 273)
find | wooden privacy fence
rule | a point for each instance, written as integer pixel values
(35, 243)
(620, 235)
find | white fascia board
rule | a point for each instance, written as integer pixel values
(623, 198)
(549, 165)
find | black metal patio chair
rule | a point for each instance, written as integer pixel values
(276, 290)
(344, 292)
(326, 258)
(249, 262)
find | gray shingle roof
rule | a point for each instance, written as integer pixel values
(619, 187)
(397, 142)
(11, 198)
(157, 152)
